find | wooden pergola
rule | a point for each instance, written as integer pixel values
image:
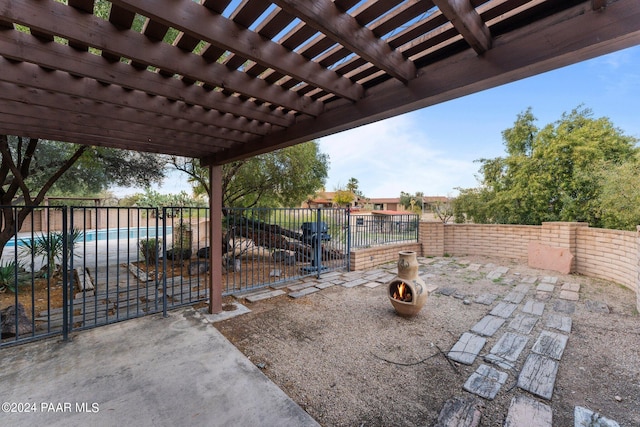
(223, 80)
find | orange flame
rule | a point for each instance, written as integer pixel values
(402, 292)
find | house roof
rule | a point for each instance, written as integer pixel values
(222, 80)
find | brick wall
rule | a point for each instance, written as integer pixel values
(362, 259)
(607, 254)
(506, 241)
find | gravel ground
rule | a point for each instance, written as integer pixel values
(346, 357)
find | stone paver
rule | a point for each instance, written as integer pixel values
(372, 285)
(538, 375)
(545, 287)
(301, 286)
(584, 417)
(447, 291)
(264, 295)
(533, 307)
(463, 411)
(485, 382)
(569, 296)
(561, 323)
(597, 307)
(529, 279)
(566, 307)
(466, 349)
(507, 349)
(494, 275)
(523, 324)
(474, 267)
(514, 297)
(503, 309)
(486, 299)
(325, 285)
(303, 292)
(354, 283)
(488, 325)
(549, 279)
(550, 344)
(525, 411)
(522, 287)
(572, 287)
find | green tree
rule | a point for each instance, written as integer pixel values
(280, 178)
(412, 202)
(343, 197)
(548, 173)
(30, 168)
(353, 187)
(620, 195)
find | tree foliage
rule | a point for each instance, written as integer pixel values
(548, 174)
(412, 202)
(31, 168)
(280, 178)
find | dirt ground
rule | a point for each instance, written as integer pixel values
(346, 357)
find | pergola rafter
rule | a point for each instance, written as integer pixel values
(226, 80)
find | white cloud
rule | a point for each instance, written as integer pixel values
(394, 155)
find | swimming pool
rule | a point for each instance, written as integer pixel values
(104, 234)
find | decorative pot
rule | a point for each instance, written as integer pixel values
(407, 292)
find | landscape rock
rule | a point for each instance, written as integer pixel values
(8, 321)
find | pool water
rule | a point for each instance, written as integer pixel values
(104, 234)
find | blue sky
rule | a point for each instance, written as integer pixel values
(433, 150)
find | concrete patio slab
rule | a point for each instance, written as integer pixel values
(151, 371)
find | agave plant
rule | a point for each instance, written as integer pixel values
(9, 271)
(50, 247)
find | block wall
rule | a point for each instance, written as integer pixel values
(608, 254)
(363, 259)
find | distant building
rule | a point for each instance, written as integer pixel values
(324, 199)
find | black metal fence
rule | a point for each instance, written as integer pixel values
(271, 246)
(379, 229)
(123, 263)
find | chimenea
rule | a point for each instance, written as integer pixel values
(407, 292)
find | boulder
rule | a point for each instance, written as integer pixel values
(177, 254)
(198, 267)
(8, 321)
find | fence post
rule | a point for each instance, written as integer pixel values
(65, 277)
(164, 259)
(318, 243)
(348, 215)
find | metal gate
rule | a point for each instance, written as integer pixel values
(266, 247)
(124, 263)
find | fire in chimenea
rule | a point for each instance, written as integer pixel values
(402, 292)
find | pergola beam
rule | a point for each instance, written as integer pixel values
(29, 75)
(467, 22)
(548, 44)
(187, 16)
(341, 27)
(95, 32)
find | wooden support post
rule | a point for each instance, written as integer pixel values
(215, 231)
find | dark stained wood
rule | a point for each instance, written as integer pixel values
(271, 76)
(23, 73)
(225, 33)
(468, 23)
(544, 45)
(345, 30)
(100, 34)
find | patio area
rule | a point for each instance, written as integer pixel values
(335, 349)
(497, 342)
